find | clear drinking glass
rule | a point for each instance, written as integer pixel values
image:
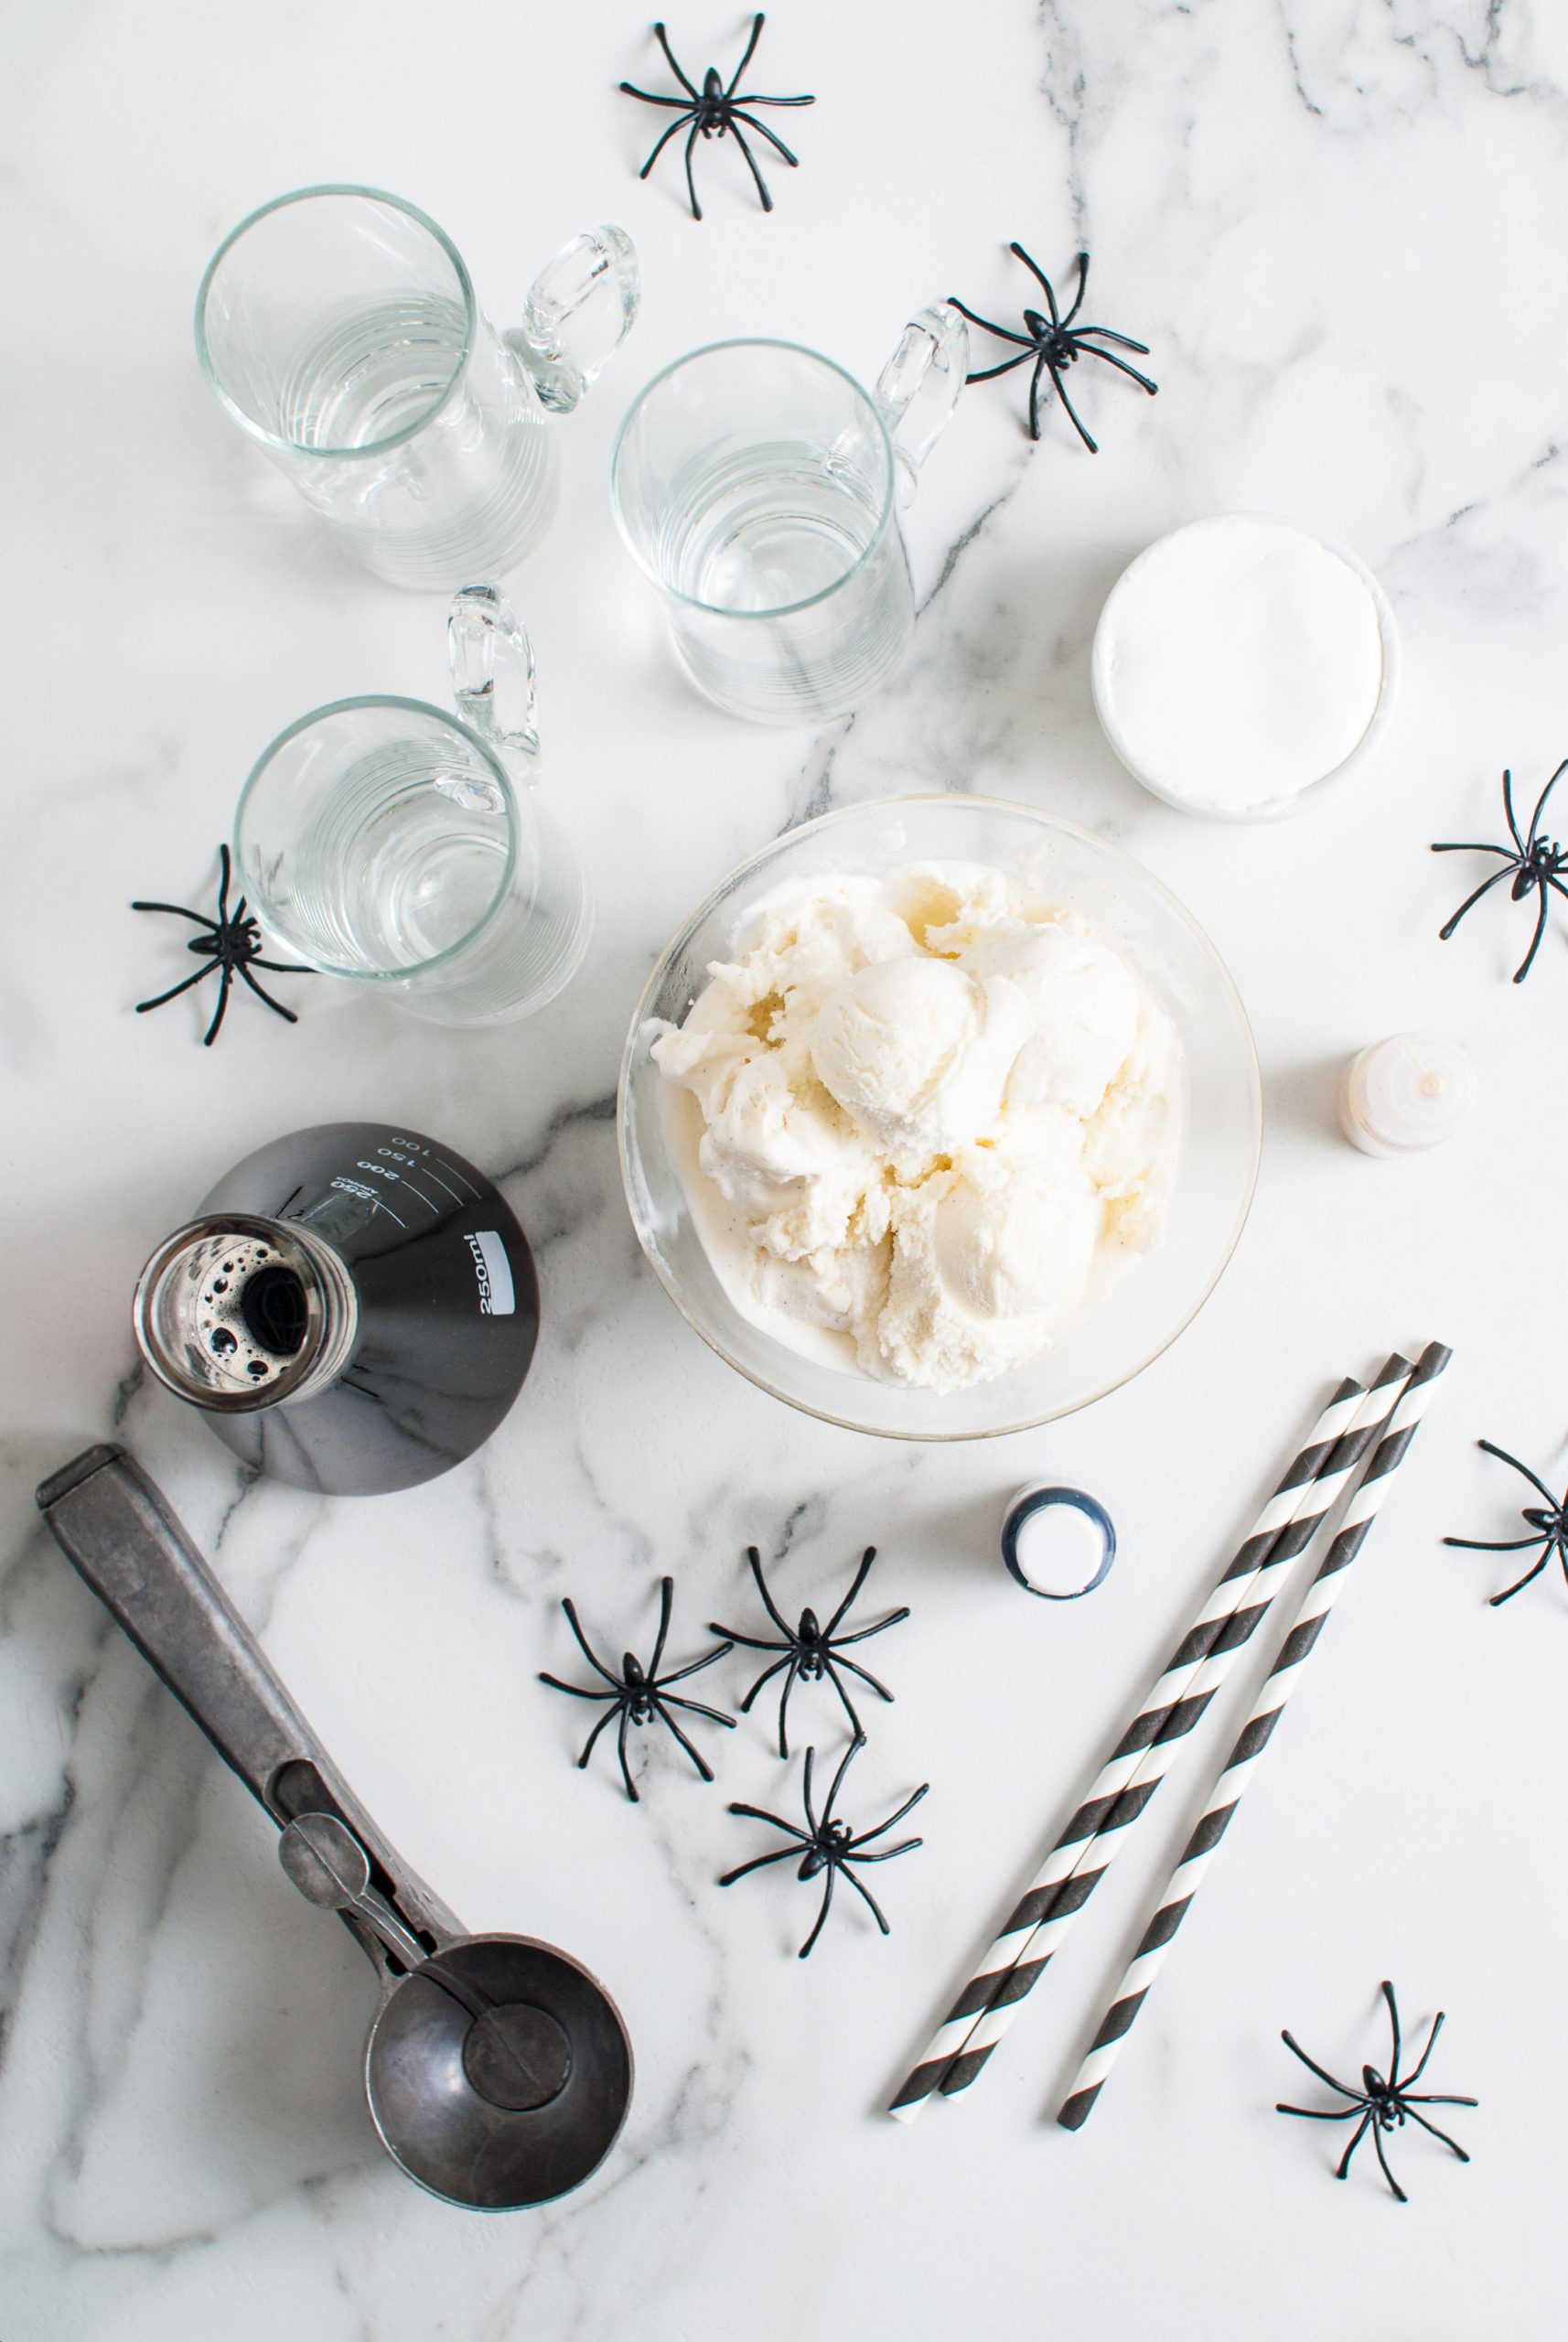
(384, 839)
(755, 483)
(339, 326)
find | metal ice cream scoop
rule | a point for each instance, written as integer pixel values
(498, 2071)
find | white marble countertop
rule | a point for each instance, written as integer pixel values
(1337, 227)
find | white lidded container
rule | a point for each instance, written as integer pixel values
(1243, 662)
(1406, 1094)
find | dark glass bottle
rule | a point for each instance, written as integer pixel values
(355, 1309)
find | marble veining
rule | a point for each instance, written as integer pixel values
(1338, 228)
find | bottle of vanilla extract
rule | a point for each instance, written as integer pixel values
(354, 1308)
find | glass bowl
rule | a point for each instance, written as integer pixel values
(1222, 1113)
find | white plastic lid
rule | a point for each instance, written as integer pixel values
(1407, 1093)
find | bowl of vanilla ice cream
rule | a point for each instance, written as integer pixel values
(939, 1118)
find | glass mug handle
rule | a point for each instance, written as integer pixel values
(579, 309)
(491, 661)
(921, 383)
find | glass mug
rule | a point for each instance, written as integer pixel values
(383, 840)
(337, 326)
(755, 483)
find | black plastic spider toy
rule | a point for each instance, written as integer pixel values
(1053, 343)
(712, 110)
(1532, 861)
(1381, 2105)
(639, 1694)
(231, 946)
(811, 1652)
(1547, 1525)
(828, 1846)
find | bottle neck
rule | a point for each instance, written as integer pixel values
(235, 1312)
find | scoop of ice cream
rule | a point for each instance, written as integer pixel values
(1082, 1006)
(916, 1052)
(1022, 1247)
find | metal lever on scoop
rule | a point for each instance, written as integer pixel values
(116, 1529)
(323, 1858)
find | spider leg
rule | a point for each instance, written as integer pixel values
(695, 1707)
(1473, 845)
(1471, 900)
(1554, 880)
(597, 1665)
(861, 1573)
(790, 1681)
(1342, 2170)
(864, 1674)
(177, 910)
(224, 868)
(624, 1767)
(691, 183)
(1082, 288)
(279, 967)
(1089, 350)
(831, 1671)
(909, 1805)
(679, 123)
(697, 1758)
(1318, 2114)
(589, 1746)
(733, 1635)
(867, 1895)
(821, 1914)
(1041, 279)
(697, 1665)
(1541, 800)
(1488, 1448)
(276, 1005)
(735, 115)
(652, 97)
(755, 1558)
(1060, 381)
(1508, 809)
(755, 1813)
(758, 23)
(766, 1676)
(759, 1862)
(1519, 1584)
(811, 1815)
(662, 38)
(1502, 1545)
(1103, 333)
(905, 1846)
(850, 1754)
(1529, 961)
(1398, 2087)
(1297, 2051)
(1034, 395)
(1437, 2134)
(576, 1689)
(894, 1618)
(666, 1597)
(175, 990)
(989, 373)
(1002, 333)
(224, 981)
(748, 98)
(1388, 2175)
(1388, 1992)
(734, 124)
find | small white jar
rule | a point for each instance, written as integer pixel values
(1406, 1094)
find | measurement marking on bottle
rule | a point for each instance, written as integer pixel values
(368, 1196)
(498, 1297)
(457, 1174)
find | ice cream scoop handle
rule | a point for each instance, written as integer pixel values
(119, 1532)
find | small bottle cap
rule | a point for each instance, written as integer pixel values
(1058, 1543)
(1407, 1093)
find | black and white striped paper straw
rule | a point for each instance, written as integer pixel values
(955, 2054)
(1256, 1733)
